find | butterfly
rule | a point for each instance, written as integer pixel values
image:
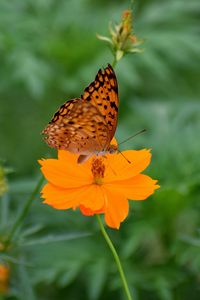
(86, 125)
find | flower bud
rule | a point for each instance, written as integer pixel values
(122, 40)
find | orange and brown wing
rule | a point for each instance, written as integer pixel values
(77, 127)
(103, 94)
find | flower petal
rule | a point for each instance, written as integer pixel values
(116, 208)
(64, 172)
(114, 141)
(137, 188)
(118, 168)
(93, 198)
(89, 212)
(90, 196)
(60, 198)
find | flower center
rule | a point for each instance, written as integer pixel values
(98, 170)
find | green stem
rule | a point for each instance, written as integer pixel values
(116, 257)
(23, 213)
(4, 204)
(114, 61)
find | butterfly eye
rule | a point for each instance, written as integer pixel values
(113, 149)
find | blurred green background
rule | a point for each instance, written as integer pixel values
(48, 54)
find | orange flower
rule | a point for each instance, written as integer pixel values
(4, 276)
(100, 185)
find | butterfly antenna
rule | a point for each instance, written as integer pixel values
(132, 136)
(124, 156)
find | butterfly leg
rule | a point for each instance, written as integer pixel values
(82, 158)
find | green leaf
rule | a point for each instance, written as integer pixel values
(53, 239)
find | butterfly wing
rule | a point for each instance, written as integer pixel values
(87, 125)
(77, 127)
(103, 94)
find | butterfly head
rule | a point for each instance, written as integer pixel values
(112, 149)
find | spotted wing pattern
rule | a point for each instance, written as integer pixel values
(103, 94)
(86, 125)
(77, 127)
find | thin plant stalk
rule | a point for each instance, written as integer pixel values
(116, 257)
(114, 61)
(23, 213)
(4, 207)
